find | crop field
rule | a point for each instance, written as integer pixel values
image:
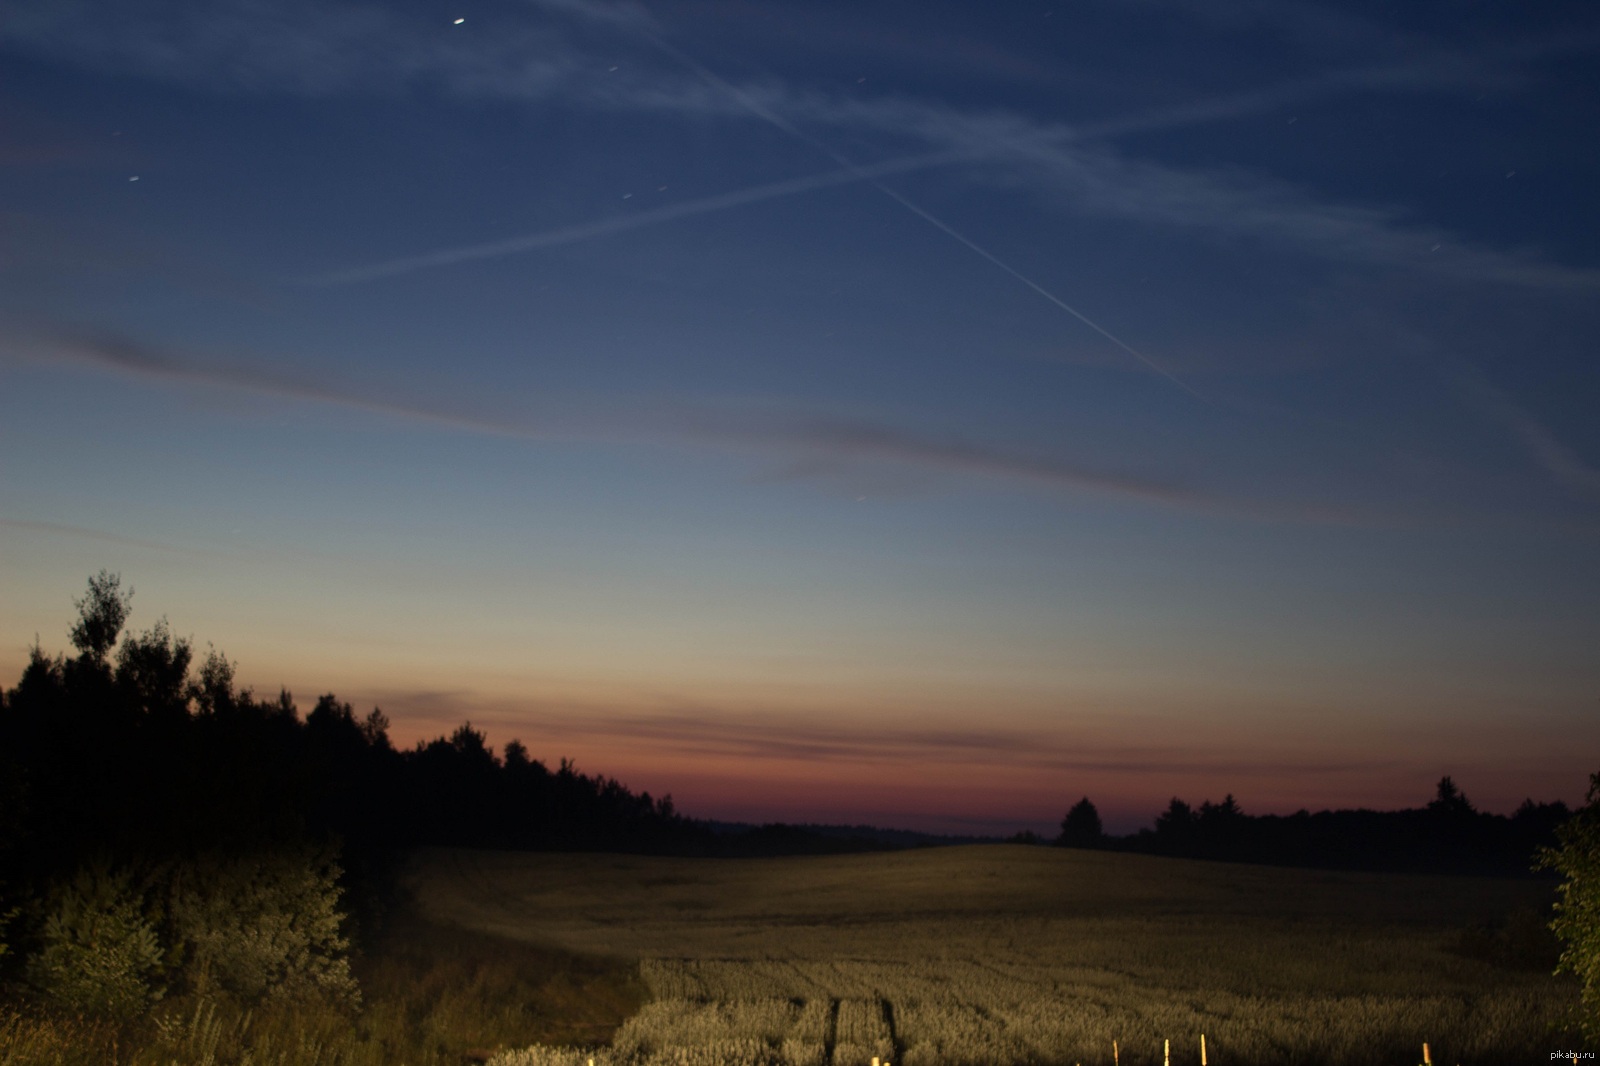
(1013, 954)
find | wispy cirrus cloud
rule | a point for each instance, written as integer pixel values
(802, 443)
(67, 529)
(570, 58)
(748, 737)
(123, 355)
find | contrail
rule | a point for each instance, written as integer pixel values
(767, 115)
(850, 174)
(1042, 291)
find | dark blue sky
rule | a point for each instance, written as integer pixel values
(886, 412)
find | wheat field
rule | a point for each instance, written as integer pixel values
(1012, 954)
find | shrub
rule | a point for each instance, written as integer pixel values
(99, 952)
(1577, 920)
(262, 925)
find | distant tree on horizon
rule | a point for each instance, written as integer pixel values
(1081, 827)
(1449, 800)
(1176, 819)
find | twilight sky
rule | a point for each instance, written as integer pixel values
(912, 413)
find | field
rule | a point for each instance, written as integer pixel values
(1014, 954)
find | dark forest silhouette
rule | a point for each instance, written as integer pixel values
(1447, 836)
(134, 760)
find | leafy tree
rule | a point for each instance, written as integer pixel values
(100, 951)
(264, 924)
(1577, 921)
(471, 745)
(153, 671)
(213, 691)
(1081, 827)
(101, 614)
(375, 728)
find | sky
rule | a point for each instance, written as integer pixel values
(917, 414)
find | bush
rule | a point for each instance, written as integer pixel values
(1577, 920)
(99, 952)
(262, 925)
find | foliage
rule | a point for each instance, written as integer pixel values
(101, 614)
(263, 924)
(1577, 920)
(6, 918)
(100, 952)
(153, 671)
(435, 997)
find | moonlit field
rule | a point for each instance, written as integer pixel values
(761, 431)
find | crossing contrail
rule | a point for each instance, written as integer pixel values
(847, 175)
(767, 115)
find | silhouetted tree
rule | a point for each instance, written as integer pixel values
(212, 692)
(1081, 827)
(375, 728)
(1220, 813)
(1448, 800)
(101, 614)
(1175, 828)
(153, 671)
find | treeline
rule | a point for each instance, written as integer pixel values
(1448, 835)
(148, 807)
(137, 753)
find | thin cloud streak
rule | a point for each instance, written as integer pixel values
(63, 529)
(858, 441)
(787, 434)
(847, 441)
(125, 356)
(1564, 466)
(746, 739)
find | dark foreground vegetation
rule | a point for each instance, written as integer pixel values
(431, 996)
(190, 873)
